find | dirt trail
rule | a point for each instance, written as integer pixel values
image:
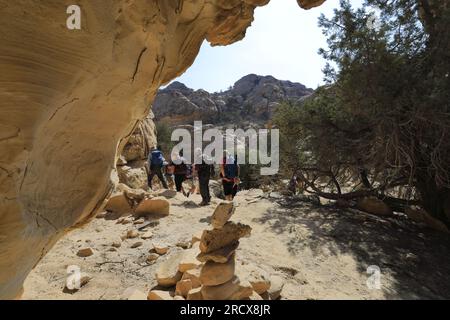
(321, 252)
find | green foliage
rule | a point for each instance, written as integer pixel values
(164, 134)
(383, 119)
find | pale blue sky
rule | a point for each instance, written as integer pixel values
(283, 42)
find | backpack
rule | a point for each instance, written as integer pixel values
(157, 158)
(181, 168)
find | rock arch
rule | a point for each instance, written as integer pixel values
(67, 97)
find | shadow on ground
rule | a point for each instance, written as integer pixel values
(417, 259)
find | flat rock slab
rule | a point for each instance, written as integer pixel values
(167, 274)
(213, 273)
(218, 238)
(232, 289)
(221, 255)
(222, 214)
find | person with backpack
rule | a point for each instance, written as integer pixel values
(204, 169)
(229, 172)
(156, 163)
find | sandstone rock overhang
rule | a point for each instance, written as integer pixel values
(69, 97)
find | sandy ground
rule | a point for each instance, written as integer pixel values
(322, 252)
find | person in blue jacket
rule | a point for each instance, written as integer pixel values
(156, 163)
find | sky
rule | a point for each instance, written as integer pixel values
(283, 42)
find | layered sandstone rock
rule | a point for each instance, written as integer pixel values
(68, 97)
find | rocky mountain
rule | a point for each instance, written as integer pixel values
(252, 98)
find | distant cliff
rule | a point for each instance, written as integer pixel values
(253, 98)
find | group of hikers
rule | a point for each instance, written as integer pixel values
(177, 170)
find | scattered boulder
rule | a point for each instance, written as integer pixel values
(374, 206)
(213, 274)
(85, 252)
(221, 255)
(155, 206)
(159, 295)
(168, 274)
(219, 238)
(222, 214)
(119, 204)
(139, 221)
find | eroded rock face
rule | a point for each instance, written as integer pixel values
(67, 97)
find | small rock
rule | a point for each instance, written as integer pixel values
(160, 248)
(152, 258)
(196, 237)
(132, 234)
(258, 278)
(183, 287)
(101, 215)
(244, 291)
(133, 294)
(99, 230)
(255, 296)
(136, 245)
(195, 294)
(168, 274)
(221, 255)
(276, 287)
(85, 252)
(127, 221)
(189, 260)
(112, 250)
(221, 292)
(139, 221)
(184, 244)
(194, 276)
(222, 214)
(147, 235)
(117, 243)
(75, 282)
(159, 295)
(167, 194)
